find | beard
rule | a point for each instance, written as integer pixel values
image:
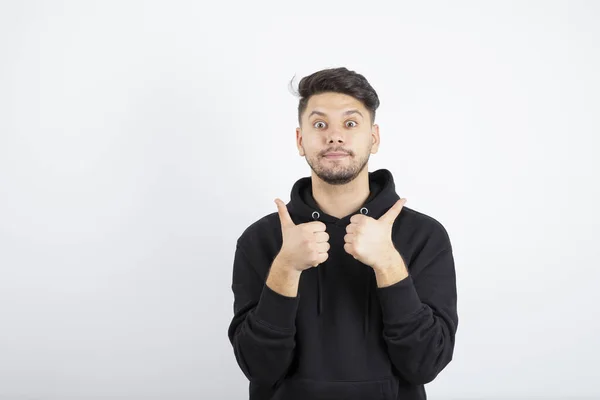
(338, 172)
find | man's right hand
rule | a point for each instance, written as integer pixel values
(305, 245)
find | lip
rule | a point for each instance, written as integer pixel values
(336, 155)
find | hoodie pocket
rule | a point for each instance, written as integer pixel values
(307, 389)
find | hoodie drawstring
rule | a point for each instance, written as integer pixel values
(365, 211)
(319, 291)
(368, 303)
(315, 216)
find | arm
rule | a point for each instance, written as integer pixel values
(419, 313)
(263, 328)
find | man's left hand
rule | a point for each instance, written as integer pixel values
(369, 240)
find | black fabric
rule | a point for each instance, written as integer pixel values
(342, 337)
(304, 190)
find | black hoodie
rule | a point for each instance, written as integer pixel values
(342, 337)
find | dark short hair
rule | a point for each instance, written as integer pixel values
(340, 80)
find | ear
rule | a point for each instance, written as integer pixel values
(299, 141)
(375, 138)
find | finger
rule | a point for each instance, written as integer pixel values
(322, 257)
(284, 215)
(393, 212)
(351, 228)
(316, 226)
(349, 238)
(322, 237)
(357, 218)
(323, 247)
(349, 249)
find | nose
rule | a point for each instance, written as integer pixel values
(335, 136)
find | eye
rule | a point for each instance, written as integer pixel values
(318, 122)
(353, 122)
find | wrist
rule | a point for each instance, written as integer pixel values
(284, 266)
(390, 259)
(283, 278)
(391, 269)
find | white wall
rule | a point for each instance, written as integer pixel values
(138, 140)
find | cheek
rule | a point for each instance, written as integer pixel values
(362, 146)
(311, 147)
(362, 140)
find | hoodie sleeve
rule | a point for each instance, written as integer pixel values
(262, 331)
(420, 313)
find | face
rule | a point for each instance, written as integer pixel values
(336, 123)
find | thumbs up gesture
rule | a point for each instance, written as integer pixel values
(369, 240)
(304, 245)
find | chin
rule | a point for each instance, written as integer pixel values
(336, 179)
(336, 176)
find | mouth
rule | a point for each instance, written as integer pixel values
(335, 155)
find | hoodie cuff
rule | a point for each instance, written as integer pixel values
(399, 300)
(277, 310)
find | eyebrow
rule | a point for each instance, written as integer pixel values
(353, 111)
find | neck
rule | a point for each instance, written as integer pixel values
(341, 200)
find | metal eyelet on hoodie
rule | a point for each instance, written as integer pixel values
(316, 215)
(366, 210)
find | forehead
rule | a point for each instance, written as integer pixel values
(333, 103)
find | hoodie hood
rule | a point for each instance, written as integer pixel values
(382, 196)
(303, 208)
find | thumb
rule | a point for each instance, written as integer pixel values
(284, 215)
(391, 215)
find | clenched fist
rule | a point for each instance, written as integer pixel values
(369, 240)
(304, 245)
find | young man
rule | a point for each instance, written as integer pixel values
(343, 293)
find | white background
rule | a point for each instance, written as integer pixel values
(139, 139)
